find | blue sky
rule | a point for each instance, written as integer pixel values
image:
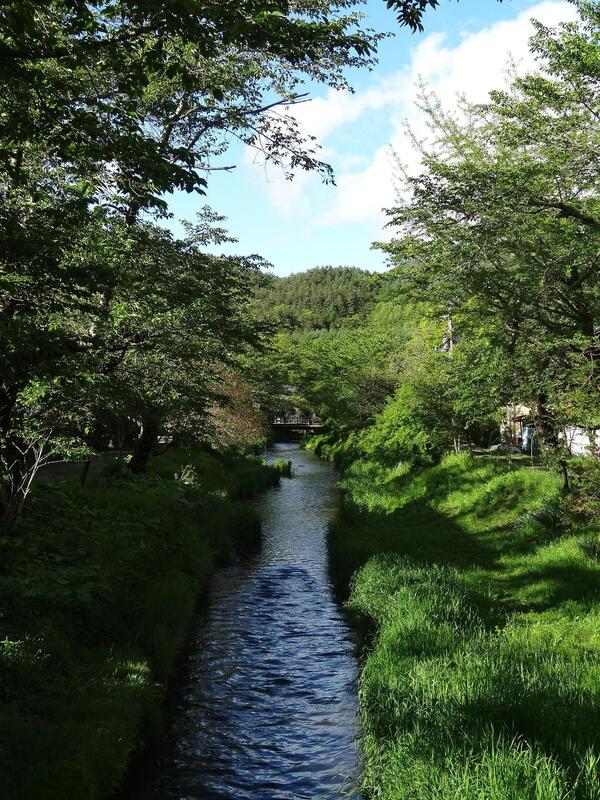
(303, 224)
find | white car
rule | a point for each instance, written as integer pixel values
(504, 448)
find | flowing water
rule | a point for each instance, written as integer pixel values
(268, 707)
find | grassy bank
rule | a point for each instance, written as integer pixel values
(96, 602)
(483, 678)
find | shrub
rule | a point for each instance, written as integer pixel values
(96, 601)
(400, 434)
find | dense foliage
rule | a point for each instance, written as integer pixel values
(96, 603)
(320, 298)
(108, 323)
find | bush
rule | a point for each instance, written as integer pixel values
(96, 600)
(399, 434)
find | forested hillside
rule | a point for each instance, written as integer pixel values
(320, 298)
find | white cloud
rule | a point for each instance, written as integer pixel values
(289, 197)
(472, 68)
(477, 64)
(359, 193)
(322, 117)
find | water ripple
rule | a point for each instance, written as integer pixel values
(268, 708)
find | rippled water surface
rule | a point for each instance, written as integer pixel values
(268, 708)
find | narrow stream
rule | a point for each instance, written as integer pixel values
(268, 707)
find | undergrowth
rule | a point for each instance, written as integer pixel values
(97, 598)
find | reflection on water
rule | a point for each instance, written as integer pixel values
(268, 708)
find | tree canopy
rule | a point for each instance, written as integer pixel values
(324, 297)
(500, 231)
(106, 108)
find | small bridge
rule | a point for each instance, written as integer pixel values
(284, 422)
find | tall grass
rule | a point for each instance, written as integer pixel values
(483, 680)
(239, 476)
(96, 602)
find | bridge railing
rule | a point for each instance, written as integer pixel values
(284, 419)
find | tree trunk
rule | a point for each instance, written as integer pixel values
(549, 439)
(11, 465)
(543, 420)
(85, 471)
(9, 510)
(16, 479)
(566, 487)
(144, 445)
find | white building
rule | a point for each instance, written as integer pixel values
(580, 442)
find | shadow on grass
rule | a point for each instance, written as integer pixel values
(484, 677)
(416, 530)
(540, 588)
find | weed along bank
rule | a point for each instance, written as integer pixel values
(98, 599)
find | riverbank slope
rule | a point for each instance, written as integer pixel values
(483, 676)
(96, 601)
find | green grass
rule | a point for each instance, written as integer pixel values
(339, 450)
(239, 476)
(96, 602)
(482, 678)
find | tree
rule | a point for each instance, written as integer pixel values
(188, 312)
(502, 226)
(141, 344)
(410, 12)
(235, 418)
(134, 99)
(106, 107)
(343, 375)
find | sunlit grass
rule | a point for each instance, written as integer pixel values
(483, 680)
